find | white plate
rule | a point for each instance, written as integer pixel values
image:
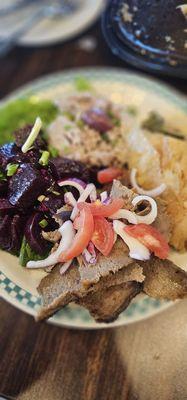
(50, 31)
(18, 285)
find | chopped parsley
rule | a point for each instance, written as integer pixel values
(80, 123)
(116, 121)
(154, 122)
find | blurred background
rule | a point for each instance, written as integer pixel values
(40, 37)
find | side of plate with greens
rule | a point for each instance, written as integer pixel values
(93, 198)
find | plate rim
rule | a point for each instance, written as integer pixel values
(48, 81)
(76, 31)
(163, 88)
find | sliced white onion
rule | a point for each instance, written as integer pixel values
(137, 250)
(90, 189)
(32, 136)
(76, 183)
(104, 196)
(152, 192)
(68, 233)
(151, 216)
(70, 199)
(130, 216)
(65, 267)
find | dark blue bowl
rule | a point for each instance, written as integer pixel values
(119, 46)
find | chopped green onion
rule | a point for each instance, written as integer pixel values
(67, 127)
(44, 159)
(82, 84)
(53, 151)
(80, 123)
(56, 193)
(11, 169)
(41, 198)
(132, 110)
(69, 115)
(66, 149)
(2, 176)
(33, 135)
(43, 223)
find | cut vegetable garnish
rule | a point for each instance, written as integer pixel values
(151, 216)
(149, 237)
(103, 236)
(43, 223)
(152, 192)
(103, 210)
(33, 135)
(44, 159)
(137, 250)
(73, 182)
(89, 191)
(12, 169)
(82, 237)
(107, 175)
(68, 233)
(125, 214)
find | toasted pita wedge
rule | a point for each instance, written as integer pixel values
(58, 290)
(164, 280)
(106, 305)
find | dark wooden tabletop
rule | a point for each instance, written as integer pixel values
(143, 361)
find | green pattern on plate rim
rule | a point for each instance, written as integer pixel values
(75, 316)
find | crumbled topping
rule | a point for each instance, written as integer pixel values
(138, 33)
(127, 16)
(183, 8)
(173, 63)
(168, 39)
(171, 47)
(143, 52)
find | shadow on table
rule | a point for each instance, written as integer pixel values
(154, 355)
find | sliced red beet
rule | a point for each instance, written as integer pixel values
(97, 119)
(17, 230)
(26, 185)
(3, 187)
(5, 232)
(63, 168)
(5, 206)
(33, 232)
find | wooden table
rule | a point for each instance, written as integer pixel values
(144, 361)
